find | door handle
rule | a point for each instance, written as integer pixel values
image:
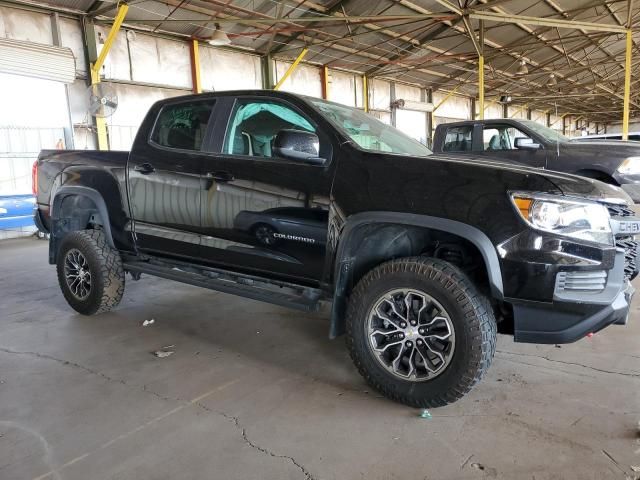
(220, 176)
(144, 168)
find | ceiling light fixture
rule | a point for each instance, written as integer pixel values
(552, 82)
(522, 69)
(219, 37)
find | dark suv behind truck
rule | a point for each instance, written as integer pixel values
(295, 201)
(529, 143)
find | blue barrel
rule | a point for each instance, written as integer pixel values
(16, 211)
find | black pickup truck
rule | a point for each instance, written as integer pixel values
(297, 201)
(529, 143)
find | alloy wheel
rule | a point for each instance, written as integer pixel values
(411, 334)
(77, 274)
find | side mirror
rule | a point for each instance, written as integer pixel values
(523, 143)
(298, 145)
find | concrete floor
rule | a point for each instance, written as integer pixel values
(255, 391)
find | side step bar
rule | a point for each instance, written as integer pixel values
(278, 293)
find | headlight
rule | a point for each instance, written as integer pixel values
(583, 220)
(630, 166)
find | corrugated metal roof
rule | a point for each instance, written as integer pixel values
(432, 52)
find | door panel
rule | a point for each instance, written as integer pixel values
(165, 185)
(272, 216)
(261, 212)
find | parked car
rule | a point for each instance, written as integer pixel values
(16, 211)
(526, 142)
(426, 255)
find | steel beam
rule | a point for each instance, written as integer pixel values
(331, 19)
(268, 72)
(291, 68)
(108, 43)
(101, 123)
(546, 22)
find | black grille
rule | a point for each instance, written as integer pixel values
(630, 247)
(626, 242)
(620, 210)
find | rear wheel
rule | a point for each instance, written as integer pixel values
(419, 332)
(90, 272)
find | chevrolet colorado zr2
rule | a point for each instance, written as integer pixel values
(296, 201)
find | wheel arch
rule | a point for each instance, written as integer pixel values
(74, 208)
(371, 238)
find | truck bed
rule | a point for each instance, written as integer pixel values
(51, 163)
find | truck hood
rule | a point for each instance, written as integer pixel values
(564, 183)
(609, 149)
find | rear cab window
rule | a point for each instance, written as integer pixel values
(458, 139)
(183, 126)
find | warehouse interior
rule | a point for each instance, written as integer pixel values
(252, 390)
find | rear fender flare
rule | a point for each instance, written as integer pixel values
(56, 208)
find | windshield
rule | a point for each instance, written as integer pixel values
(546, 133)
(367, 132)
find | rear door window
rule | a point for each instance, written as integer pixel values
(458, 139)
(183, 126)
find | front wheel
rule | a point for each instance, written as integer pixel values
(419, 332)
(90, 272)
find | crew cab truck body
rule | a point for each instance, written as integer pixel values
(295, 201)
(529, 143)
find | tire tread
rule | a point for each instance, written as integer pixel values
(478, 313)
(111, 271)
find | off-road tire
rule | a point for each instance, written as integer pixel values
(105, 266)
(471, 316)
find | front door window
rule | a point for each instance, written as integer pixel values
(254, 125)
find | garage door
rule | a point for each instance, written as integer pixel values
(36, 60)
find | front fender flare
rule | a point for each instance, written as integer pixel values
(344, 259)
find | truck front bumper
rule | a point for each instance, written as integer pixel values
(566, 322)
(561, 291)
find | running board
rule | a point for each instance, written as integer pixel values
(278, 293)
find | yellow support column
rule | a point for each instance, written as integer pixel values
(481, 87)
(101, 123)
(365, 94)
(325, 82)
(195, 66)
(481, 71)
(627, 87)
(291, 69)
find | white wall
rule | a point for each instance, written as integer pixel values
(450, 109)
(617, 127)
(24, 25)
(304, 80)
(226, 70)
(343, 88)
